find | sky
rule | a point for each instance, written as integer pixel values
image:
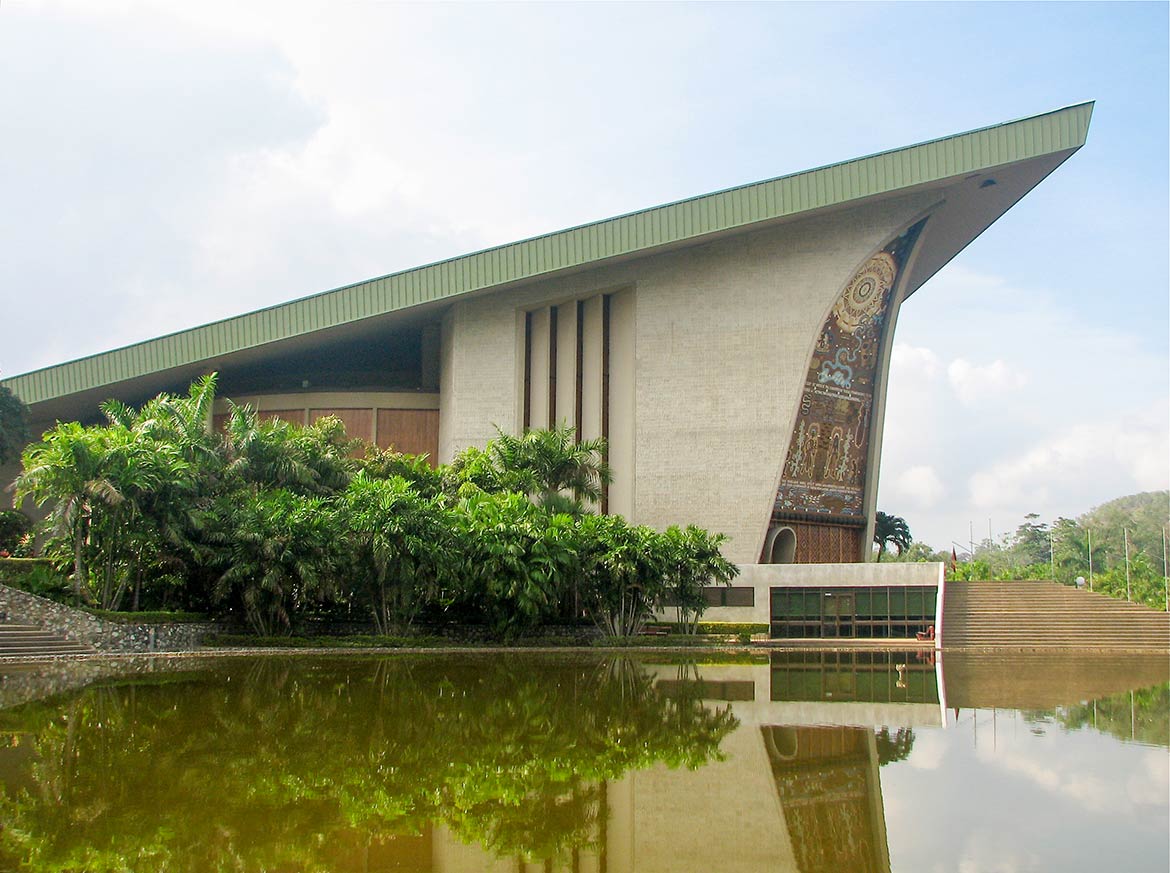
(165, 164)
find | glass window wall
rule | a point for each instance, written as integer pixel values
(877, 612)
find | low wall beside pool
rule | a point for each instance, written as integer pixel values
(748, 599)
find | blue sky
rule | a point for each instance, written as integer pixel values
(166, 164)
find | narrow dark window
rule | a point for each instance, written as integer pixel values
(527, 370)
(605, 301)
(552, 367)
(580, 391)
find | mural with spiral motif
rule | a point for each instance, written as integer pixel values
(824, 472)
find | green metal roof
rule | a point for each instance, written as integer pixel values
(672, 224)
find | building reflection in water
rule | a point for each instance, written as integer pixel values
(797, 788)
(771, 762)
(829, 790)
(764, 781)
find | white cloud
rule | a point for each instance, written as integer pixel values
(1149, 785)
(1096, 787)
(920, 486)
(930, 747)
(1016, 402)
(1134, 455)
(915, 362)
(985, 851)
(974, 383)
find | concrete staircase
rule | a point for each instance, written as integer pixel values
(30, 641)
(1047, 615)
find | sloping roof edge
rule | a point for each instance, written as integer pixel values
(670, 224)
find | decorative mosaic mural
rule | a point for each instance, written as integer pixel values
(824, 472)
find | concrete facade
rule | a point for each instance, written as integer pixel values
(714, 344)
(762, 578)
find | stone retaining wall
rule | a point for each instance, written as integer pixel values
(105, 636)
(24, 683)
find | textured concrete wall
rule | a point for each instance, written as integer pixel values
(764, 577)
(722, 338)
(479, 373)
(105, 636)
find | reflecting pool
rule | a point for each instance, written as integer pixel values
(794, 761)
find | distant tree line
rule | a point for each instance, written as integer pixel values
(270, 523)
(1063, 550)
(13, 425)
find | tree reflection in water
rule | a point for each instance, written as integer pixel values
(1140, 715)
(285, 763)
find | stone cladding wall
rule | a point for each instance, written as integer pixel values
(105, 636)
(24, 683)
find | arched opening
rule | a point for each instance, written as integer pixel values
(781, 546)
(782, 742)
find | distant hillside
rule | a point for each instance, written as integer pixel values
(1143, 515)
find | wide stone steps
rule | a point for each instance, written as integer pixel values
(27, 640)
(1037, 615)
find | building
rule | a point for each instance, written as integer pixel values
(733, 348)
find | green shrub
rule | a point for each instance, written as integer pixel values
(717, 628)
(728, 628)
(13, 527)
(674, 641)
(357, 641)
(153, 617)
(36, 576)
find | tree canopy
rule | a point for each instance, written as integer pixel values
(271, 523)
(13, 425)
(890, 530)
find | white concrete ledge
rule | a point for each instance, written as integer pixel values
(764, 577)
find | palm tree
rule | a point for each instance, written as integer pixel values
(165, 534)
(399, 541)
(624, 571)
(695, 562)
(66, 470)
(99, 480)
(313, 460)
(281, 553)
(890, 530)
(557, 464)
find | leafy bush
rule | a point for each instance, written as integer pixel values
(718, 628)
(13, 424)
(673, 641)
(149, 616)
(356, 641)
(270, 523)
(36, 576)
(14, 525)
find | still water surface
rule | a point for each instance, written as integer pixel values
(808, 761)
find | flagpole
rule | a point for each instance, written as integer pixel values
(1125, 537)
(1090, 533)
(1165, 578)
